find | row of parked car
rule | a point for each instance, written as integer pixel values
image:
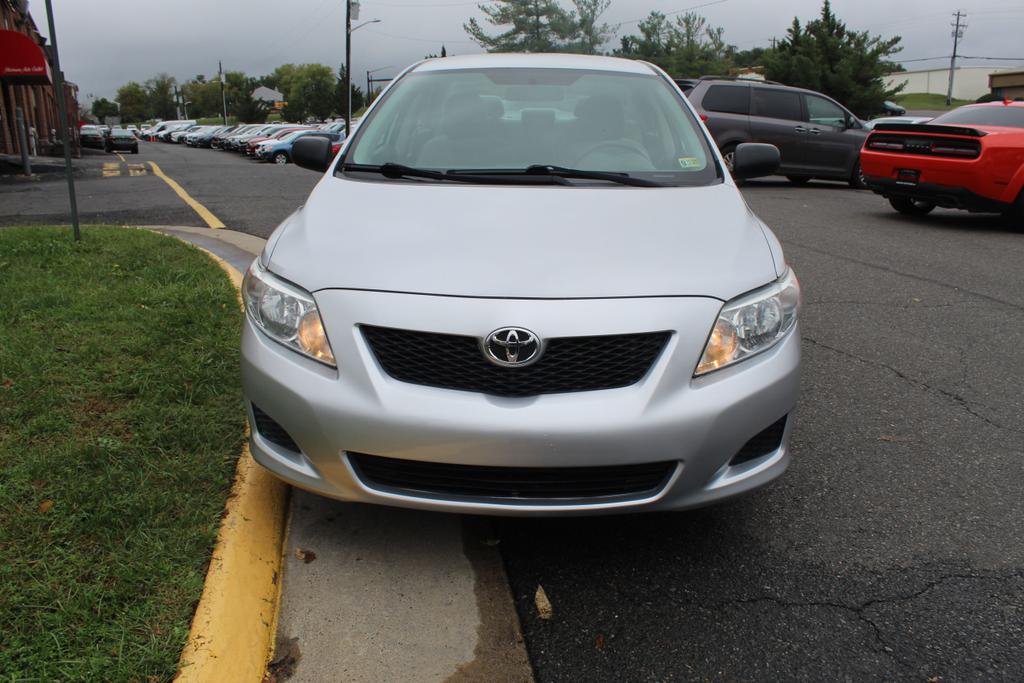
(270, 142)
(110, 138)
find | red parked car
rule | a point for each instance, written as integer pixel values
(250, 147)
(970, 158)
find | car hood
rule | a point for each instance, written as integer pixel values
(524, 242)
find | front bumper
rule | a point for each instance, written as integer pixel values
(668, 416)
(946, 196)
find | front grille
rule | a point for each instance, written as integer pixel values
(510, 483)
(273, 432)
(764, 442)
(569, 364)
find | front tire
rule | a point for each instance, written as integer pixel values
(911, 207)
(281, 158)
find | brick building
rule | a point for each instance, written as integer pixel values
(26, 81)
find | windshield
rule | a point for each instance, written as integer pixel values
(510, 119)
(1012, 117)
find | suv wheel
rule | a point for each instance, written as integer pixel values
(728, 152)
(911, 207)
(281, 158)
(857, 180)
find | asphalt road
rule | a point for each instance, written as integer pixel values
(892, 547)
(244, 195)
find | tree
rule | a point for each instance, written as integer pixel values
(311, 92)
(134, 102)
(341, 97)
(846, 65)
(161, 96)
(241, 103)
(535, 26)
(204, 97)
(102, 108)
(686, 48)
(590, 35)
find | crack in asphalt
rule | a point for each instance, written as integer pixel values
(960, 400)
(912, 276)
(859, 609)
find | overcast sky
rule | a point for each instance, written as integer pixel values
(105, 43)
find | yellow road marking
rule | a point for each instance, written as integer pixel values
(119, 156)
(136, 169)
(204, 213)
(111, 169)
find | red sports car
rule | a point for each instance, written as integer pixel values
(970, 158)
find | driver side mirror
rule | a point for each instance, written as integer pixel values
(755, 159)
(312, 152)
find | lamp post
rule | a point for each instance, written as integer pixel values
(369, 81)
(349, 29)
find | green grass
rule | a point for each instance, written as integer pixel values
(927, 101)
(216, 121)
(120, 406)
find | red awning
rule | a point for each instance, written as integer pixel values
(22, 60)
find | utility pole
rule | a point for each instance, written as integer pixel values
(958, 33)
(58, 84)
(223, 97)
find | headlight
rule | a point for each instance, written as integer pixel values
(752, 323)
(286, 314)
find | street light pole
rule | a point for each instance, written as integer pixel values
(58, 84)
(223, 97)
(349, 30)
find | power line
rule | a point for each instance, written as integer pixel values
(668, 14)
(420, 40)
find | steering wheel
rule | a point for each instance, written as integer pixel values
(617, 146)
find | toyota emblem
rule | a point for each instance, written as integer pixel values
(512, 346)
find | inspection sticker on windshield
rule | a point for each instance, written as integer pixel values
(688, 163)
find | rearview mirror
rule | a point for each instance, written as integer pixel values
(754, 159)
(312, 152)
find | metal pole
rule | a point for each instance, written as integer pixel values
(367, 85)
(348, 66)
(58, 84)
(19, 116)
(223, 97)
(952, 60)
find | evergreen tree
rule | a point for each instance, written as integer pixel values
(134, 102)
(686, 48)
(161, 96)
(534, 26)
(590, 35)
(826, 56)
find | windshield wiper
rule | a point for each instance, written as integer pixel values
(536, 174)
(545, 170)
(398, 171)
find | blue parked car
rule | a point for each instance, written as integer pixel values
(280, 151)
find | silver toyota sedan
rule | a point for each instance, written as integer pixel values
(526, 285)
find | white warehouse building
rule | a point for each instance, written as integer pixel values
(969, 82)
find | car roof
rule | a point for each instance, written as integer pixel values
(534, 60)
(1000, 103)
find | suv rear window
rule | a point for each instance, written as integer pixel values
(728, 99)
(777, 104)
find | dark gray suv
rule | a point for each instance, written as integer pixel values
(817, 136)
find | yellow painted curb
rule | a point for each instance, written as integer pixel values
(232, 634)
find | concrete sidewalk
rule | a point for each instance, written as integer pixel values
(381, 594)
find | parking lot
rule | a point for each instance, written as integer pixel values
(889, 550)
